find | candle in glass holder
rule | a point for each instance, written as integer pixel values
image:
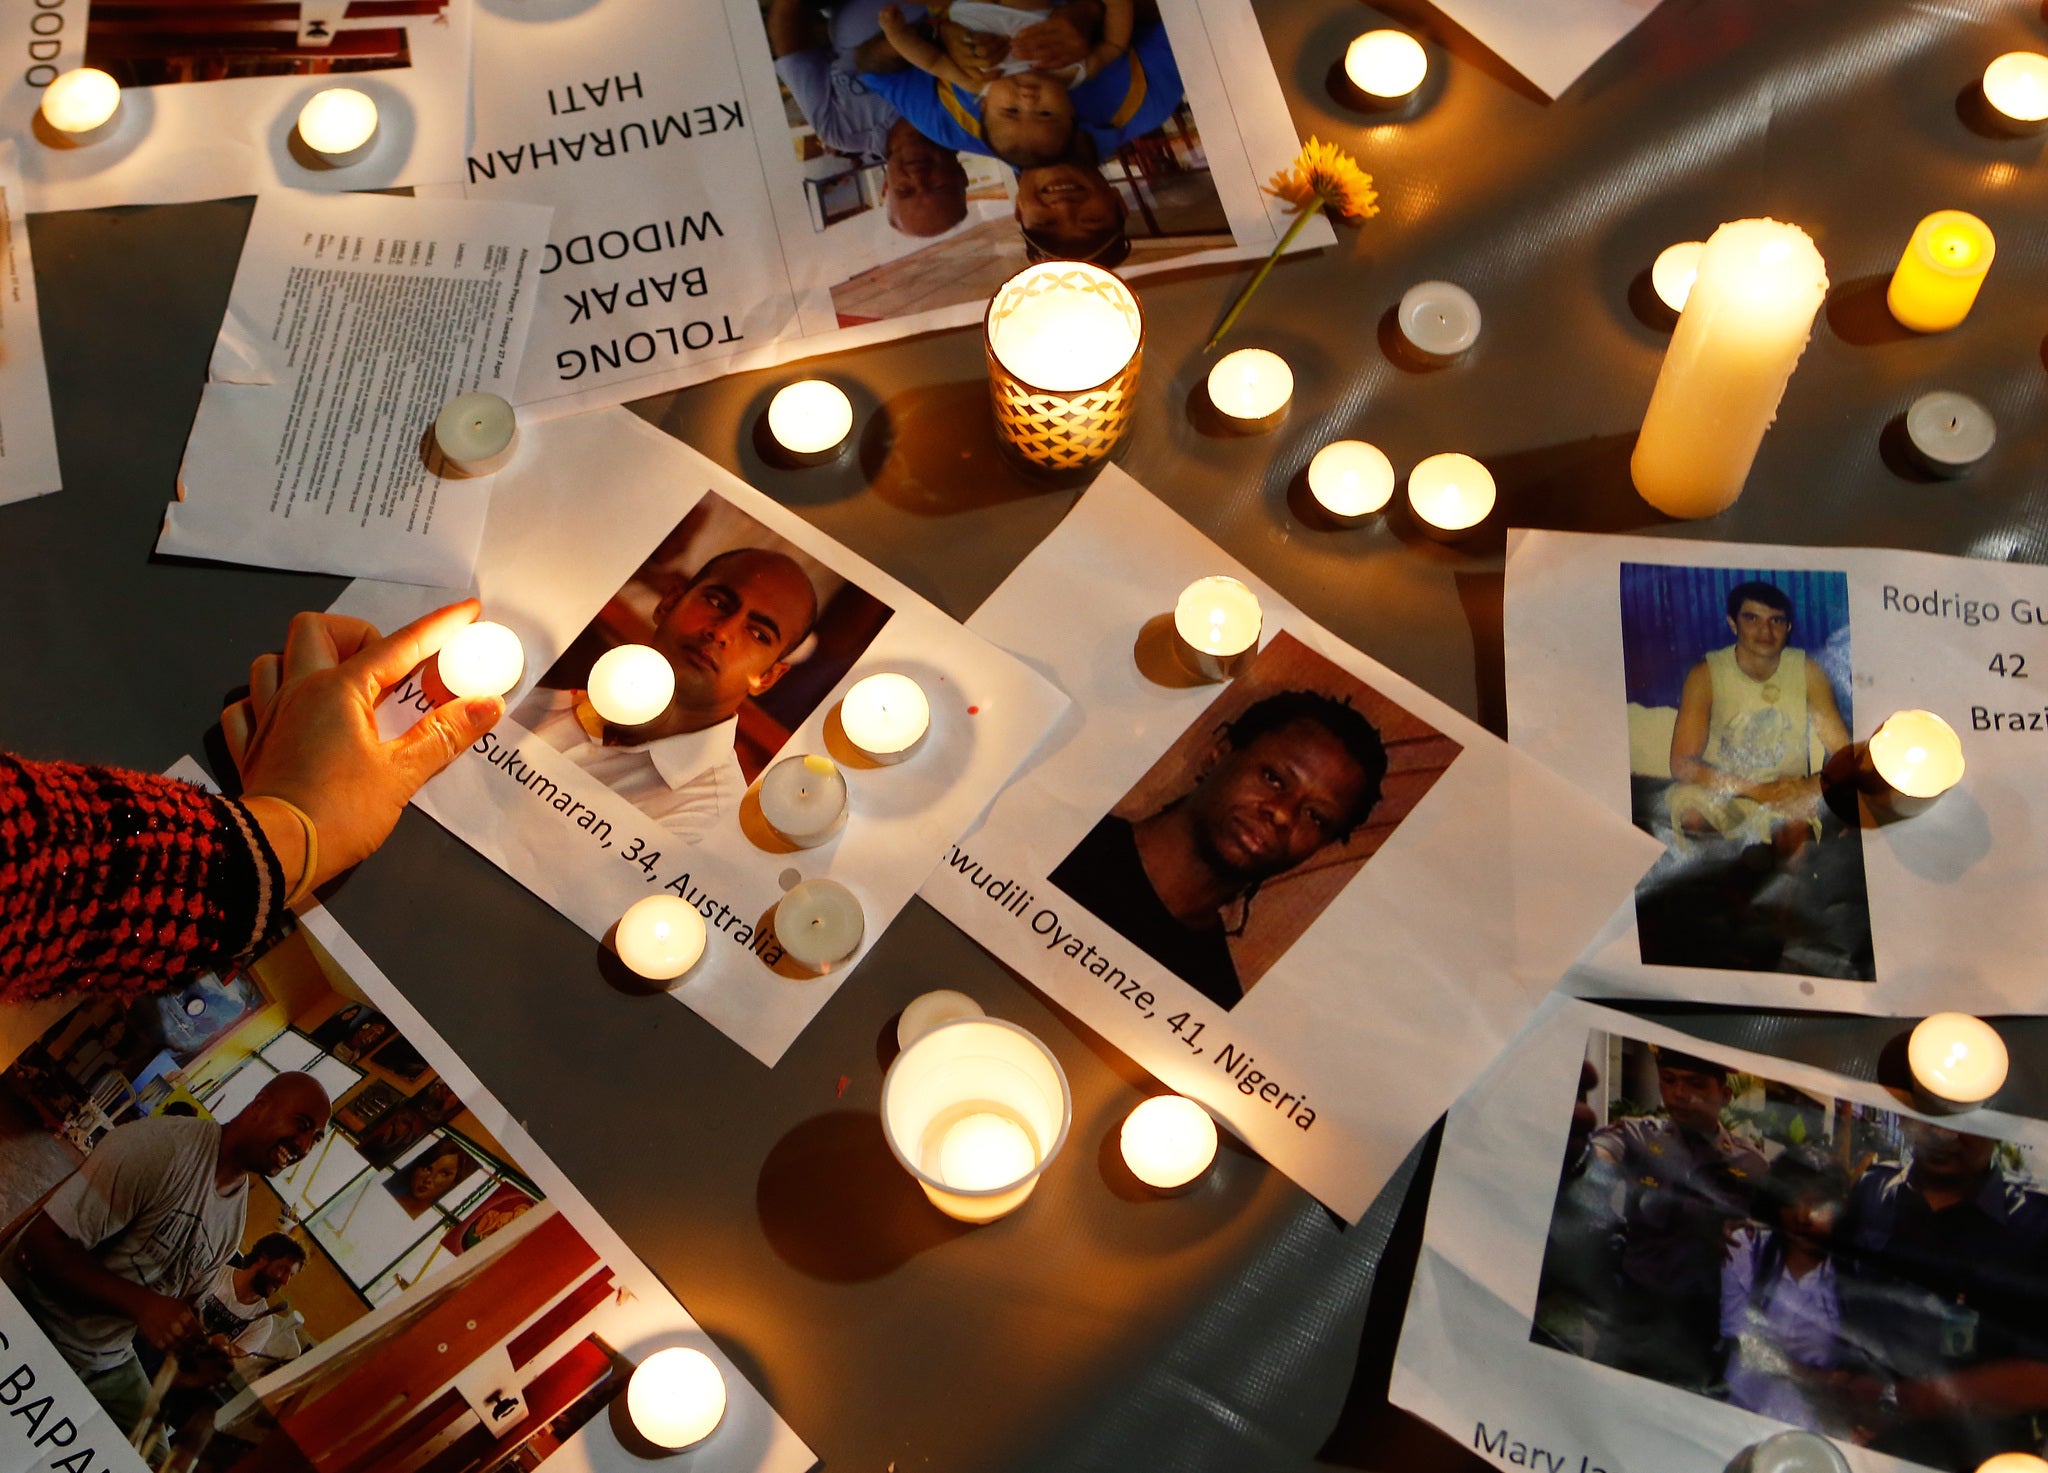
(1740, 336)
(481, 659)
(2016, 86)
(885, 716)
(660, 937)
(1917, 757)
(676, 1397)
(1675, 270)
(1450, 495)
(1386, 65)
(1439, 320)
(631, 684)
(1957, 1058)
(1949, 432)
(1943, 266)
(1251, 387)
(1168, 1141)
(804, 799)
(477, 433)
(810, 419)
(1351, 480)
(1794, 1452)
(81, 104)
(1216, 625)
(339, 124)
(820, 924)
(1064, 343)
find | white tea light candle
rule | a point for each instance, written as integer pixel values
(1949, 432)
(1251, 386)
(984, 1152)
(631, 684)
(820, 924)
(1216, 625)
(1450, 494)
(1919, 757)
(81, 102)
(660, 937)
(928, 1010)
(804, 799)
(1386, 65)
(1439, 320)
(886, 716)
(1957, 1058)
(1675, 270)
(1794, 1452)
(476, 433)
(1168, 1141)
(2016, 86)
(1350, 480)
(810, 418)
(338, 124)
(2013, 1463)
(481, 659)
(676, 1397)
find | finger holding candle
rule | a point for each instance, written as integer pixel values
(2016, 86)
(886, 717)
(676, 1397)
(481, 659)
(660, 937)
(81, 104)
(1350, 480)
(1216, 626)
(1938, 277)
(804, 799)
(631, 684)
(1450, 495)
(1168, 1142)
(1957, 1059)
(820, 925)
(338, 124)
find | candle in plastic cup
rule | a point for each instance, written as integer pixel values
(810, 417)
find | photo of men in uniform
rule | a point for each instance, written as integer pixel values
(1738, 694)
(756, 632)
(1250, 825)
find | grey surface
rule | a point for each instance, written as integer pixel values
(1217, 1331)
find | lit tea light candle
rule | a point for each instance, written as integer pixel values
(974, 1110)
(1744, 326)
(1386, 65)
(931, 1009)
(2016, 86)
(820, 924)
(886, 716)
(804, 799)
(676, 1397)
(1918, 756)
(1251, 386)
(1439, 320)
(1168, 1141)
(1949, 432)
(631, 684)
(80, 104)
(1794, 1452)
(1450, 494)
(481, 659)
(477, 433)
(1943, 266)
(339, 124)
(660, 937)
(1957, 1058)
(810, 419)
(1675, 270)
(1350, 480)
(2013, 1463)
(1216, 626)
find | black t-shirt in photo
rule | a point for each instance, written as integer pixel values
(1105, 874)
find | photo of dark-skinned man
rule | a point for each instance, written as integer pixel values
(1291, 775)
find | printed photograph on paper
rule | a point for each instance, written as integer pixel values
(1836, 1266)
(1229, 847)
(1739, 690)
(314, 1291)
(758, 633)
(146, 43)
(951, 144)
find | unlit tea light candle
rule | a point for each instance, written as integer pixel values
(820, 924)
(1350, 480)
(81, 103)
(1919, 757)
(2016, 86)
(1957, 1058)
(1387, 65)
(1439, 320)
(660, 937)
(1676, 268)
(631, 684)
(1944, 264)
(481, 659)
(886, 716)
(676, 1397)
(929, 1010)
(804, 799)
(1794, 1452)
(1168, 1141)
(1450, 494)
(810, 418)
(338, 124)
(1251, 386)
(1216, 625)
(477, 433)
(1949, 432)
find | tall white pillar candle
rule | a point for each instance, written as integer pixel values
(804, 799)
(1740, 336)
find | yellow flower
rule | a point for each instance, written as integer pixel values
(1324, 172)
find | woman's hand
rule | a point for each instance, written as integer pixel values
(307, 733)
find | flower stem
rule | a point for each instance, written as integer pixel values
(1307, 213)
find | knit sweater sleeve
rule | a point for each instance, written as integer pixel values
(125, 882)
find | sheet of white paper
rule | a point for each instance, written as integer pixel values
(1507, 1359)
(69, 1423)
(352, 321)
(591, 852)
(701, 227)
(1383, 983)
(28, 439)
(180, 136)
(1905, 918)
(1551, 42)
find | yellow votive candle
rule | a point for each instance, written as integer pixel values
(1939, 274)
(1744, 326)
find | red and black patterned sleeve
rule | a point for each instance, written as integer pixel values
(124, 882)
